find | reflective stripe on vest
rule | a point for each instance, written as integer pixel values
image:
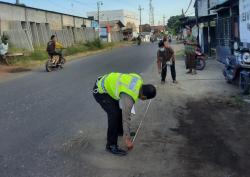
(131, 85)
(116, 83)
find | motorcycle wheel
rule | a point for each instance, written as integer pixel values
(244, 85)
(200, 64)
(63, 61)
(49, 66)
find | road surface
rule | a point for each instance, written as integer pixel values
(41, 112)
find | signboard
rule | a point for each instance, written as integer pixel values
(103, 33)
(95, 25)
(244, 20)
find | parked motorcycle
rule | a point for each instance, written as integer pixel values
(55, 62)
(237, 69)
(200, 59)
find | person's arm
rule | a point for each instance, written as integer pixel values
(126, 103)
(159, 59)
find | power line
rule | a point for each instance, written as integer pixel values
(191, 13)
(188, 6)
(84, 4)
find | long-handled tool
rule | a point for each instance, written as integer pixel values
(138, 129)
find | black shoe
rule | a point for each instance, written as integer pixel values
(114, 149)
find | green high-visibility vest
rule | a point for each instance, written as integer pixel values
(116, 83)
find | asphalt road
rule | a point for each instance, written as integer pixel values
(41, 113)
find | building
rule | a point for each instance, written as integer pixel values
(228, 27)
(158, 29)
(206, 29)
(219, 23)
(115, 25)
(29, 27)
(111, 31)
(128, 18)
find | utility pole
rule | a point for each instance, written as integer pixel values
(164, 20)
(197, 17)
(151, 13)
(140, 9)
(99, 4)
(209, 30)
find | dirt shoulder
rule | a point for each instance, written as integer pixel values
(17, 70)
(197, 128)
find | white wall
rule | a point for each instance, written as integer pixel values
(68, 20)
(55, 21)
(37, 16)
(10, 13)
(122, 15)
(13, 13)
(78, 22)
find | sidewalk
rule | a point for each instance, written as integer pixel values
(197, 128)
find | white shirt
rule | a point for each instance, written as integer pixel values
(4, 48)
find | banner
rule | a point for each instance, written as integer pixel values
(244, 20)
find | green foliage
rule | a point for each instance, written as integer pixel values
(75, 49)
(174, 24)
(40, 55)
(96, 44)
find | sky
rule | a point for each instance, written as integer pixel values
(80, 7)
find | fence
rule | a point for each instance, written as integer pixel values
(116, 36)
(28, 35)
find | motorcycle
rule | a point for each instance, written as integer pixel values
(54, 62)
(200, 59)
(237, 69)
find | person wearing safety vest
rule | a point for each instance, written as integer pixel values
(117, 93)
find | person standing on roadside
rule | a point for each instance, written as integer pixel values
(165, 58)
(190, 47)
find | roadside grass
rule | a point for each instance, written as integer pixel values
(39, 56)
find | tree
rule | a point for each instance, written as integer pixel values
(174, 24)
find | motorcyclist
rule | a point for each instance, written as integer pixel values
(54, 47)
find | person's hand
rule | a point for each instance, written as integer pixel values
(129, 143)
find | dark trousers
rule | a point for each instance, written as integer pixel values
(111, 107)
(164, 72)
(190, 61)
